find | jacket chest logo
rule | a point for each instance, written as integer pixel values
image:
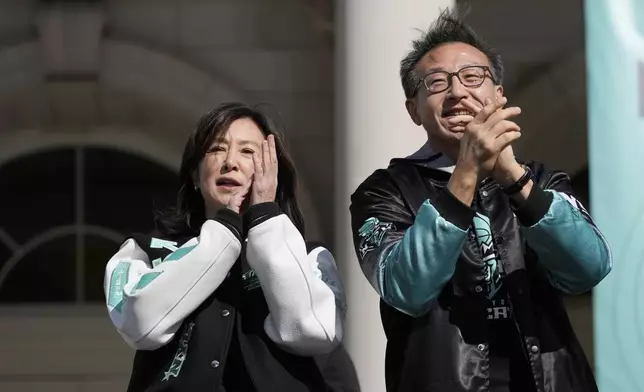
(371, 235)
(250, 280)
(493, 267)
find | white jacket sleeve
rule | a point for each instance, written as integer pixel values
(148, 304)
(303, 290)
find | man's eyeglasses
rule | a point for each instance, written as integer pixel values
(471, 76)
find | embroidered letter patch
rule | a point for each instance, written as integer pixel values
(117, 284)
(372, 233)
(180, 354)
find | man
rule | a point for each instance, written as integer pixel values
(470, 249)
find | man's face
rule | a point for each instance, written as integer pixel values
(433, 110)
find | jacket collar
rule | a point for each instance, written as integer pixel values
(428, 157)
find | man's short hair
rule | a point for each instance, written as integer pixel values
(449, 27)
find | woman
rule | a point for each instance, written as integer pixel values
(228, 296)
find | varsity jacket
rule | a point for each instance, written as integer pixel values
(471, 296)
(224, 310)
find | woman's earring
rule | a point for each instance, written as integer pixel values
(196, 187)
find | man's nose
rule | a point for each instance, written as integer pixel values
(456, 89)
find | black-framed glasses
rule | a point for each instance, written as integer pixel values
(470, 76)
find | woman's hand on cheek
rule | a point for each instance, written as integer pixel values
(237, 199)
(264, 180)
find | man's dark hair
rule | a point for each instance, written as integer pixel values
(449, 27)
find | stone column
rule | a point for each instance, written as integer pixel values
(372, 127)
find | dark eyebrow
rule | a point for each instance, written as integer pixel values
(437, 69)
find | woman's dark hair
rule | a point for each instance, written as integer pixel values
(189, 213)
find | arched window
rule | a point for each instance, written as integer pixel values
(65, 211)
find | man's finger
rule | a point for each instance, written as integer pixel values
(488, 110)
(506, 139)
(473, 107)
(463, 118)
(504, 126)
(502, 114)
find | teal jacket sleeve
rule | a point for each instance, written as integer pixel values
(407, 257)
(568, 244)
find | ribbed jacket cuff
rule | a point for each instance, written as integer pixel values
(453, 210)
(534, 208)
(260, 213)
(232, 221)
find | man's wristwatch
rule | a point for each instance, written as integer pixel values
(521, 182)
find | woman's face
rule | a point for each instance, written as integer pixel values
(228, 164)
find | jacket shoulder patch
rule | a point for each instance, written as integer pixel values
(371, 235)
